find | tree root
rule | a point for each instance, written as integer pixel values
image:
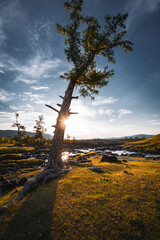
(43, 176)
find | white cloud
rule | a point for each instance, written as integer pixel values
(30, 72)
(123, 112)
(37, 67)
(82, 109)
(139, 8)
(6, 96)
(108, 112)
(39, 88)
(102, 101)
(26, 107)
(112, 120)
(24, 80)
(35, 98)
(154, 122)
(2, 34)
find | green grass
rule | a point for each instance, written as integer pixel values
(121, 204)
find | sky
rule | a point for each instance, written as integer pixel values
(32, 59)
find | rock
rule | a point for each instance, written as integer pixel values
(83, 159)
(96, 169)
(110, 159)
(124, 160)
(22, 181)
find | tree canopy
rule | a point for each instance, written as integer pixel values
(85, 39)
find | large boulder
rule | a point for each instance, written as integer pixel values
(110, 159)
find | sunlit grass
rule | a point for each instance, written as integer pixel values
(150, 144)
(122, 203)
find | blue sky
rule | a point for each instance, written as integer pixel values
(32, 58)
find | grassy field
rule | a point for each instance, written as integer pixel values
(121, 203)
(148, 145)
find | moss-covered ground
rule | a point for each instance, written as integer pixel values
(121, 203)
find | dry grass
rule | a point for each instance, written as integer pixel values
(122, 203)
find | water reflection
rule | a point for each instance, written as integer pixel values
(65, 156)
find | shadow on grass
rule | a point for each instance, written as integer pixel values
(33, 219)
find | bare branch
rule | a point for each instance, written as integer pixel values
(73, 113)
(75, 97)
(61, 97)
(52, 108)
(60, 105)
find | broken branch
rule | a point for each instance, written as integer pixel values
(73, 113)
(75, 97)
(52, 108)
(60, 105)
(61, 97)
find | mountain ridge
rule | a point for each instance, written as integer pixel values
(11, 133)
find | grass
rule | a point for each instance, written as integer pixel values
(148, 145)
(13, 149)
(121, 203)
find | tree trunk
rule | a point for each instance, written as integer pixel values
(55, 156)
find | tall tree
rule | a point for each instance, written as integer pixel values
(85, 39)
(20, 128)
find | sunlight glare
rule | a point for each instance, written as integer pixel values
(65, 156)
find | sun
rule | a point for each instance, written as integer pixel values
(66, 122)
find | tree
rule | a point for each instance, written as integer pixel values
(85, 39)
(84, 44)
(39, 130)
(21, 130)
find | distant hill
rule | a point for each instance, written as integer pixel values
(148, 145)
(11, 133)
(133, 136)
(138, 136)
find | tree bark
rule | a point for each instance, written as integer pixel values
(55, 156)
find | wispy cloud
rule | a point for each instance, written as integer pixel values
(154, 122)
(24, 80)
(2, 34)
(35, 98)
(9, 10)
(39, 88)
(26, 107)
(102, 101)
(108, 112)
(37, 67)
(32, 70)
(6, 96)
(139, 8)
(123, 112)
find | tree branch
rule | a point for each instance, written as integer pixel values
(52, 108)
(60, 105)
(61, 97)
(75, 97)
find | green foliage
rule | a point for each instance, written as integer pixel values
(85, 40)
